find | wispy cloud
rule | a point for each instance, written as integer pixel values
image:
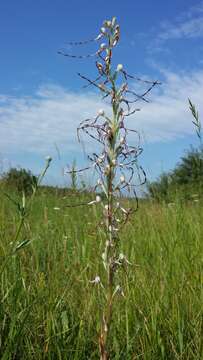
(34, 124)
(167, 117)
(187, 25)
(192, 28)
(51, 116)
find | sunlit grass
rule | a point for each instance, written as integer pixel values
(50, 310)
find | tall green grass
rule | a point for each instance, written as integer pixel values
(50, 310)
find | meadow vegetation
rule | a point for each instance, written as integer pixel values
(49, 308)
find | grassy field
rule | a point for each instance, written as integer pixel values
(50, 310)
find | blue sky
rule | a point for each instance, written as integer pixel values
(41, 97)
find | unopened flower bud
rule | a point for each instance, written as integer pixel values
(122, 140)
(99, 36)
(113, 21)
(97, 280)
(107, 58)
(100, 159)
(118, 290)
(101, 112)
(107, 169)
(103, 30)
(99, 182)
(103, 46)
(48, 158)
(114, 43)
(119, 67)
(98, 199)
(107, 243)
(122, 179)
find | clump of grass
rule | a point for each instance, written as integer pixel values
(23, 208)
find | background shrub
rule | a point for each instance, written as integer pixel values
(19, 180)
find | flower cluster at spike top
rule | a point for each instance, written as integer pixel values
(117, 161)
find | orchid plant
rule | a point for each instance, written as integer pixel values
(116, 164)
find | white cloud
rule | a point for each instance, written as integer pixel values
(167, 117)
(192, 28)
(187, 25)
(35, 124)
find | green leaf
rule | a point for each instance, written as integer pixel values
(22, 244)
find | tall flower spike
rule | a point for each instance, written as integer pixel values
(116, 163)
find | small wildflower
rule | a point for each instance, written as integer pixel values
(56, 208)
